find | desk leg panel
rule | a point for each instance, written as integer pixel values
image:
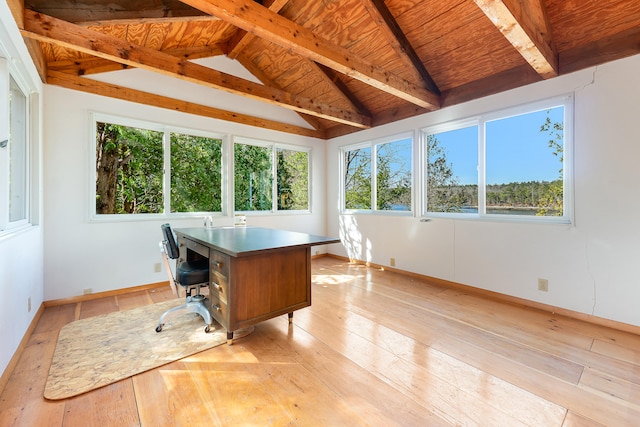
(268, 285)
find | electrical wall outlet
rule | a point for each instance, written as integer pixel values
(156, 267)
(29, 305)
(543, 285)
(392, 262)
(87, 291)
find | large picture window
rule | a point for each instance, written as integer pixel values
(511, 164)
(130, 163)
(377, 175)
(263, 169)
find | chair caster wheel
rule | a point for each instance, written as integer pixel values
(159, 328)
(207, 329)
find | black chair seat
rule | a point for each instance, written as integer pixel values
(191, 273)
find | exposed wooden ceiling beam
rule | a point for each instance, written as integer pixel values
(260, 75)
(95, 65)
(52, 30)
(621, 45)
(525, 24)
(394, 34)
(95, 87)
(264, 23)
(331, 77)
(242, 37)
(77, 11)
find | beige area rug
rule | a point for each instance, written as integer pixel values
(101, 350)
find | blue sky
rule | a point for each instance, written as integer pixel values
(516, 150)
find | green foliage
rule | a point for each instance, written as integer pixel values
(393, 176)
(253, 178)
(128, 170)
(129, 173)
(444, 194)
(553, 201)
(357, 179)
(196, 174)
(293, 179)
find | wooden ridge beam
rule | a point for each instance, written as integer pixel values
(526, 25)
(95, 87)
(51, 30)
(394, 34)
(256, 19)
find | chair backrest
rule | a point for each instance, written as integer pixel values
(170, 242)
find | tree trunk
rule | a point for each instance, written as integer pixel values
(106, 168)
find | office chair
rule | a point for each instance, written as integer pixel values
(190, 275)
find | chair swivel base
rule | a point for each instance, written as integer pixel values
(194, 304)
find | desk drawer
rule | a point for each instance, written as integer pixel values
(219, 311)
(218, 285)
(219, 263)
(193, 246)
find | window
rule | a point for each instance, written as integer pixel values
(130, 160)
(511, 164)
(256, 163)
(293, 179)
(196, 173)
(357, 178)
(14, 151)
(378, 174)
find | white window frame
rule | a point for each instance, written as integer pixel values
(567, 101)
(374, 144)
(96, 117)
(9, 72)
(274, 172)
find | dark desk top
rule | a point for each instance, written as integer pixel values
(242, 241)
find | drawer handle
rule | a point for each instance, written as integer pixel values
(216, 308)
(218, 287)
(218, 265)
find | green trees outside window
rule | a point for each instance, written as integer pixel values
(196, 173)
(357, 178)
(393, 182)
(253, 177)
(511, 163)
(293, 179)
(131, 162)
(129, 170)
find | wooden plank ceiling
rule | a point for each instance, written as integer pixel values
(343, 65)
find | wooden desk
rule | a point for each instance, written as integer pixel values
(255, 273)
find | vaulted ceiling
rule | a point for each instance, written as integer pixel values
(342, 65)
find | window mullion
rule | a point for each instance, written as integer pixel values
(482, 175)
(166, 193)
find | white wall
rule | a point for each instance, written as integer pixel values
(593, 266)
(81, 254)
(21, 252)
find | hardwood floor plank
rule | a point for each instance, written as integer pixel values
(375, 401)
(98, 306)
(133, 300)
(168, 396)
(22, 402)
(617, 387)
(375, 348)
(114, 405)
(575, 420)
(161, 294)
(431, 327)
(434, 378)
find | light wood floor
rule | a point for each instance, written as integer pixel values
(375, 348)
